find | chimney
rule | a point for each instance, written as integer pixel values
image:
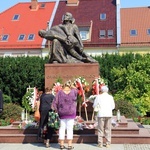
(72, 2)
(34, 4)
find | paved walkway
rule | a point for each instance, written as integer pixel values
(40, 146)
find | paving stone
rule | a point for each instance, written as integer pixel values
(137, 147)
(54, 146)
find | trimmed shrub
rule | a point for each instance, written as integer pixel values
(126, 109)
(11, 113)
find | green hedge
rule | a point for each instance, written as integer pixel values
(128, 77)
(16, 74)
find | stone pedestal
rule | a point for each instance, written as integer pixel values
(70, 72)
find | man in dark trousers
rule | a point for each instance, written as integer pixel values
(1, 101)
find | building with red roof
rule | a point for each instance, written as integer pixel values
(135, 29)
(96, 19)
(20, 25)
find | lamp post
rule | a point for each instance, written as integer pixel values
(48, 40)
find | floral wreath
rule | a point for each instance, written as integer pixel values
(29, 99)
(97, 84)
(83, 87)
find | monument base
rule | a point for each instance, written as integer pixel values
(71, 71)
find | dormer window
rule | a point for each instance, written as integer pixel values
(42, 5)
(16, 17)
(148, 31)
(133, 32)
(31, 37)
(84, 33)
(103, 16)
(21, 37)
(5, 37)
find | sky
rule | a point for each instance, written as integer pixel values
(5, 4)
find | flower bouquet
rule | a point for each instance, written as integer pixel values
(78, 123)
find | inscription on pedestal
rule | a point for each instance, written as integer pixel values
(70, 72)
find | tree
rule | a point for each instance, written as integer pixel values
(135, 83)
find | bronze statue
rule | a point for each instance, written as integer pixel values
(67, 46)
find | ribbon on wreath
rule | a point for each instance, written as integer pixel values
(81, 90)
(35, 96)
(85, 103)
(81, 93)
(97, 86)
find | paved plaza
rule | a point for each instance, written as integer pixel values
(54, 146)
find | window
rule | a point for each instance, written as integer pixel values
(110, 33)
(16, 17)
(5, 37)
(102, 34)
(102, 16)
(148, 31)
(84, 33)
(133, 32)
(21, 37)
(31, 36)
(42, 5)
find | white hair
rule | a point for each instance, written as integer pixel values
(104, 88)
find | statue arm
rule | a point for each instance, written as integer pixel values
(51, 35)
(63, 27)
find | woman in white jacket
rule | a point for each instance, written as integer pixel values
(104, 115)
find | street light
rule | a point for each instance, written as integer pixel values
(48, 40)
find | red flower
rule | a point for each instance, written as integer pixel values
(12, 120)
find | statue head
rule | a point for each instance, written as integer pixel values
(68, 17)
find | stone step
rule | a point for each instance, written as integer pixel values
(116, 138)
(131, 133)
(122, 130)
(123, 122)
(131, 128)
(142, 138)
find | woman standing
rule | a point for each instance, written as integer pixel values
(65, 104)
(45, 106)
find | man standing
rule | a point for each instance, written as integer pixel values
(1, 101)
(106, 103)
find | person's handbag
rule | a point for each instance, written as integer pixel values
(97, 108)
(37, 112)
(53, 120)
(37, 115)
